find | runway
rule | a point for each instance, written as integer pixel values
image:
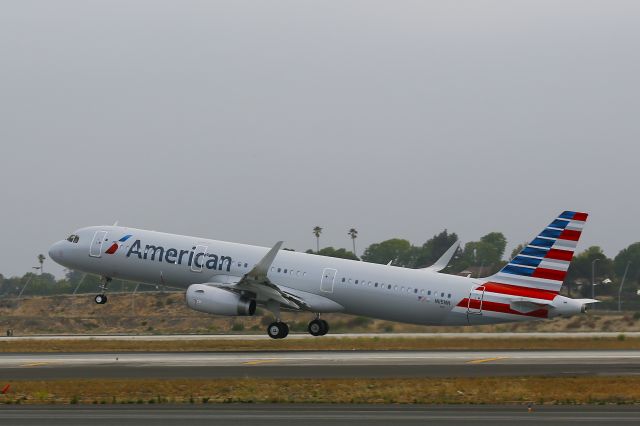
(318, 414)
(319, 364)
(302, 336)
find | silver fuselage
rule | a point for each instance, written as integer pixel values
(353, 287)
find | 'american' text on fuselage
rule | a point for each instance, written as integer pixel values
(175, 256)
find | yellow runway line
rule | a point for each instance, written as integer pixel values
(480, 361)
(259, 361)
(35, 364)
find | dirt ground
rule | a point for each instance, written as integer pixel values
(166, 313)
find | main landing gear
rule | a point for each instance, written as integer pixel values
(318, 327)
(278, 330)
(101, 298)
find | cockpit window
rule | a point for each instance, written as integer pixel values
(73, 238)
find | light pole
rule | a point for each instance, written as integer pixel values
(593, 277)
(624, 276)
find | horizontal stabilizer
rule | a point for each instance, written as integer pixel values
(528, 305)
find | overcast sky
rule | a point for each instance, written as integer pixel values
(253, 121)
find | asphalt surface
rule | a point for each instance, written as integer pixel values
(297, 336)
(319, 364)
(309, 415)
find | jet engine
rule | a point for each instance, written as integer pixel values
(214, 300)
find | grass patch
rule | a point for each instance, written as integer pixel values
(489, 390)
(325, 343)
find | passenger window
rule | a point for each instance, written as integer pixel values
(285, 271)
(376, 285)
(343, 279)
(429, 293)
(356, 281)
(246, 265)
(389, 287)
(273, 269)
(279, 269)
(441, 294)
(449, 295)
(395, 288)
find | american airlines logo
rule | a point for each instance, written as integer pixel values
(116, 245)
(199, 259)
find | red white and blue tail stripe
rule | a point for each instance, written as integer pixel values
(539, 270)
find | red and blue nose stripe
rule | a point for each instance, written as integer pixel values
(115, 245)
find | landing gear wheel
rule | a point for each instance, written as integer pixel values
(315, 328)
(101, 298)
(325, 327)
(285, 330)
(318, 327)
(278, 330)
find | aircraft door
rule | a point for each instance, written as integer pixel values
(95, 249)
(199, 258)
(328, 279)
(474, 303)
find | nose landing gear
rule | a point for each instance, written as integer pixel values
(101, 298)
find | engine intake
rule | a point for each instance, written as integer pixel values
(213, 300)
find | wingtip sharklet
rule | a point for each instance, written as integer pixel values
(444, 260)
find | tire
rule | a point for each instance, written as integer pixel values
(325, 327)
(284, 330)
(100, 299)
(274, 330)
(315, 327)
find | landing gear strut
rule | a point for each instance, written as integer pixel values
(101, 298)
(278, 330)
(318, 327)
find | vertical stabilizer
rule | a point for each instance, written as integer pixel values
(540, 268)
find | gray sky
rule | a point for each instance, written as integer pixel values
(253, 121)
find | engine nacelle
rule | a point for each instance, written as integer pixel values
(213, 300)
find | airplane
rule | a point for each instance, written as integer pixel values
(231, 279)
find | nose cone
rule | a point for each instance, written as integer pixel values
(56, 252)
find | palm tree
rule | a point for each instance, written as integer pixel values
(41, 259)
(317, 231)
(353, 233)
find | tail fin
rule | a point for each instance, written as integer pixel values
(543, 263)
